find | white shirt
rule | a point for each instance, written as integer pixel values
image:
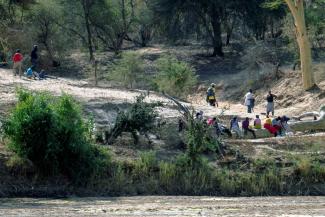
(248, 97)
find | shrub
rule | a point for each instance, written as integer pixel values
(139, 117)
(174, 77)
(199, 139)
(52, 134)
(128, 70)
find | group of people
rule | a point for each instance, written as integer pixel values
(220, 129)
(250, 102)
(31, 72)
(277, 126)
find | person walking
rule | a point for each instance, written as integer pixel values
(211, 96)
(249, 100)
(270, 103)
(18, 63)
(34, 56)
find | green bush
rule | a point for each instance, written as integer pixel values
(199, 139)
(174, 77)
(139, 117)
(128, 70)
(52, 134)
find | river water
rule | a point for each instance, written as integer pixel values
(165, 206)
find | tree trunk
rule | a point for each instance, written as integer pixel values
(229, 31)
(216, 38)
(297, 9)
(89, 34)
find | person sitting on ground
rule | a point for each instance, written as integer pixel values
(211, 121)
(31, 73)
(211, 96)
(276, 123)
(221, 129)
(246, 128)
(42, 74)
(249, 101)
(270, 103)
(257, 123)
(199, 116)
(234, 126)
(17, 58)
(269, 127)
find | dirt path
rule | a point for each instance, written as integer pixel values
(166, 206)
(99, 101)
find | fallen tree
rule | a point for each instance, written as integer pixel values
(318, 124)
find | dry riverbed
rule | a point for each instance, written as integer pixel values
(165, 206)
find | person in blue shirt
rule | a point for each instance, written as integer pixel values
(32, 73)
(29, 72)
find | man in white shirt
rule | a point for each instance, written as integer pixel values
(249, 97)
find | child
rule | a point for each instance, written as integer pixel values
(32, 73)
(258, 123)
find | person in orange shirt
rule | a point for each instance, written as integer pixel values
(18, 63)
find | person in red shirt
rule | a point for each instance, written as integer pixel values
(18, 63)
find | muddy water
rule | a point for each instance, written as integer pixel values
(166, 206)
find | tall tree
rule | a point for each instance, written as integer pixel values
(297, 10)
(78, 21)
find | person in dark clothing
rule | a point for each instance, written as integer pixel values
(3, 61)
(180, 125)
(270, 103)
(245, 126)
(34, 56)
(221, 129)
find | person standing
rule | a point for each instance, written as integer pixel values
(18, 63)
(249, 100)
(270, 103)
(34, 56)
(211, 96)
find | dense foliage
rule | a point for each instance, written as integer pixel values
(52, 134)
(115, 24)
